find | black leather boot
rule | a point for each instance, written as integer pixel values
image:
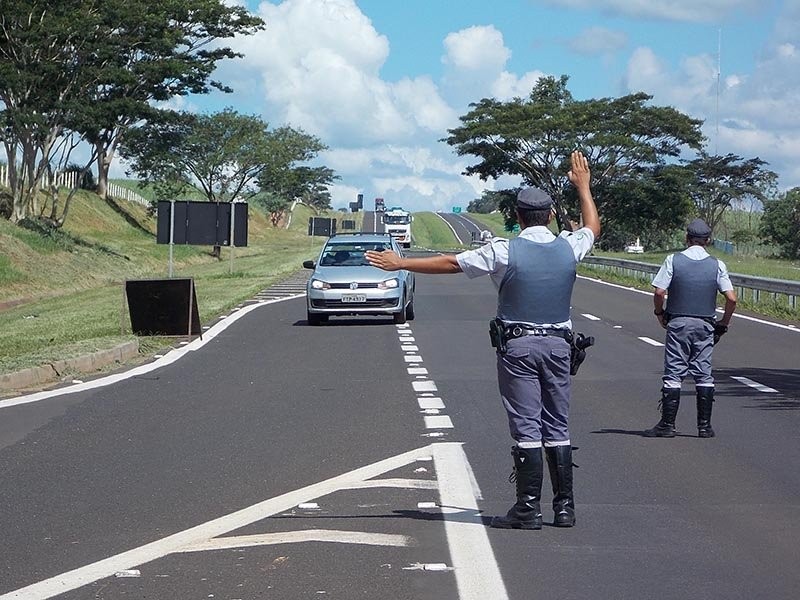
(527, 512)
(670, 399)
(705, 402)
(559, 462)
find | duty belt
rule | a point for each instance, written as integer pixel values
(515, 330)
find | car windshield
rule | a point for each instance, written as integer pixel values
(349, 254)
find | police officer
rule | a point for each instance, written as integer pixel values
(690, 281)
(534, 274)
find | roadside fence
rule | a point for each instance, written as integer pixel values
(747, 286)
(62, 178)
(117, 191)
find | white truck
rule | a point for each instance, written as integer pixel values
(397, 223)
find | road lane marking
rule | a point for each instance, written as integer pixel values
(424, 386)
(293, 537)
(412, 358)
(409, 348)
(755, 385)
(652, 342)
(446, 222)
(438, 422)
(590, 317)
(476, 570)
(417, 371)
(205, 532)
(428, 402)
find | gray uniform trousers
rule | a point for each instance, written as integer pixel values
(688, 349)
(533, 375)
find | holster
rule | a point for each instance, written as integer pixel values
(578, 351)
(497, 335)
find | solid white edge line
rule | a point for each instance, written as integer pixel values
(735, 315)
(451, 228)
(169, 358)
(475, 567)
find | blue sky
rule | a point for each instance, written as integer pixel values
(381, 81)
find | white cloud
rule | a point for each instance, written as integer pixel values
(479, 48)
(598, 40)
(712, 11)
(317, 66)
(508, 85)
(758, 113)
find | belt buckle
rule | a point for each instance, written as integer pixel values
(517, 331)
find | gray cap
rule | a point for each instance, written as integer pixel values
(533, 198)
(699, 229)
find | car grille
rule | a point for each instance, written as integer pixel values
(346, 286)
(370, 303)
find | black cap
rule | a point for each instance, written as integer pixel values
(533, 198)
(699, 229)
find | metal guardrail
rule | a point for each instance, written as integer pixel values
(756, 285)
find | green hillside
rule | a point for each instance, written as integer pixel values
(61, 293)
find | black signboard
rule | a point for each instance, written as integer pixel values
(321, 226)
(348, 224)
(199, 223)
(163, 307)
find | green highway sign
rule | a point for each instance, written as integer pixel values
(456, 209)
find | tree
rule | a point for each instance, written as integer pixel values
(221, 153)
(533, 138)
(487, 203)
(720, 181)
(156, 51)
(75, 71)
(47, 66)
(275, 206)
(780, 223)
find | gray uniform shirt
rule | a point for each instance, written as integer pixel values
(492, 259)
(664, 276)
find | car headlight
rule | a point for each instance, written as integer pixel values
(318, 284)
(389, 284)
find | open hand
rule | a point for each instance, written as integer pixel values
(579, 173)
(386, 260)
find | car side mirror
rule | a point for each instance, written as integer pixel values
(309, 264)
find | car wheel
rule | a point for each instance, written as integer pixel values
(315, 319)
(400, 317)
(410, 311)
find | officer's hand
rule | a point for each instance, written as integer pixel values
(386, 260)
(579, 173)
(720, 329)
(662, 320)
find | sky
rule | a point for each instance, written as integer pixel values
(380, 82)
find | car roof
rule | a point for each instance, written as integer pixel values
(349, 238)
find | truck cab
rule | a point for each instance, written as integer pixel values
(397, 223)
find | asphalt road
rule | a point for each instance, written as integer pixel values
(464, 229)
(284, 461)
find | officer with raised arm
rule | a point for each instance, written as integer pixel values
(689, 281)
(534, 274)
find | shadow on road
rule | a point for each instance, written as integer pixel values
(785, 381)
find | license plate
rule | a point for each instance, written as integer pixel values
(354, 298)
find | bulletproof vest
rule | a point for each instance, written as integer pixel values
(693, 290)
(537, 286)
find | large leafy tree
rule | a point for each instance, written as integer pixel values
(47, 66)
(533, 138)
(780, 223)
(156, 51)
(718, 182)
(76, 70)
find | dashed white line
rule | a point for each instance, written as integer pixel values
(424, 386)
(412, 358)
(652, 342)
(409, 348)
(426, 403)
(590, 317)
(755, 385)
(438, 422)
(417, 371)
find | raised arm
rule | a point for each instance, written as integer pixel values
(580, 176)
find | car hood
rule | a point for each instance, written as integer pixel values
(366, 274)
